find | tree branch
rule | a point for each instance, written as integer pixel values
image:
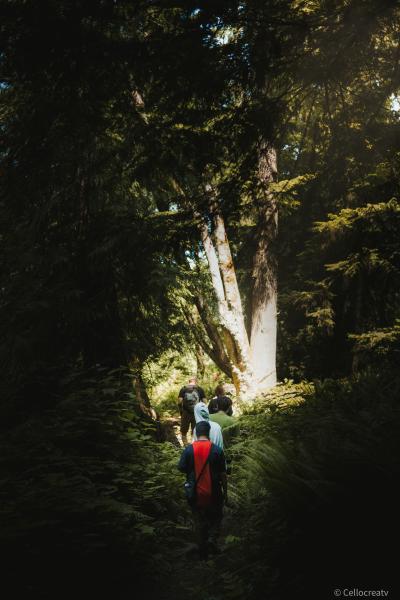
(216, 351)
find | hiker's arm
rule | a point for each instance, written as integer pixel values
(180, 401)
(182, 465)
(222, 475)
(224, 481)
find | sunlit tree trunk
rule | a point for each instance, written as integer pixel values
(252, 358)
(264, 292)
(229, 305)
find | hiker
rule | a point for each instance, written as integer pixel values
(201, 414)
(205, 468)
(228, 424)
(189, 396)
(213, 404)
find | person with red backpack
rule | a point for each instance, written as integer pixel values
(189, 396)
(206, 486)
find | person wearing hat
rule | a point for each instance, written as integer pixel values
(205, 467)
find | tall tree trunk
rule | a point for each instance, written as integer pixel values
(252, 360)
(229, 305)
(264, 292)
(232, 294)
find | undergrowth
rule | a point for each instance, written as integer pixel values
(87, 497)
(93, 506)
(316, 477)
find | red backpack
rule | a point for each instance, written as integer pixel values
(202, 471)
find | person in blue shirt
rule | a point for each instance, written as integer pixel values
(201, 414)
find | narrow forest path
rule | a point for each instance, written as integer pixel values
(193, 577)
(200, 579)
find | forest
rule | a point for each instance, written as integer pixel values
(204, 188)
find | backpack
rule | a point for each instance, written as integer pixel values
(191, 487)
(191, 397)
(201, 497)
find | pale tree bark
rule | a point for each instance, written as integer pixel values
(252, 358)
(213, 264)
(230, 311)
(264, 292)
(231, 288)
